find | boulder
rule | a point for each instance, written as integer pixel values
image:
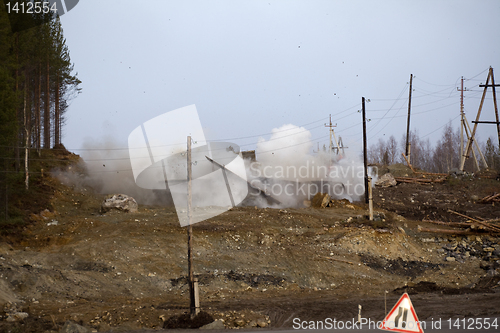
(321, 200)
(71, 327)
(215, 325)
(120, 202)
(386, 180)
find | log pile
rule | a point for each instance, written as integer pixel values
(434, 177)
(472, 225)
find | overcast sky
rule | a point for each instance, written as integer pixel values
(251, 66)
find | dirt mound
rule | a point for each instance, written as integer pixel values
(185, 321)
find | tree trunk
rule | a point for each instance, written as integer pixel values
(6, 191)
(46, 115)
(38, 111)
(26, 131)
(18, 141)
(57, 118)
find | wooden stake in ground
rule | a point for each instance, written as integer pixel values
(192, 294)
(370, 198)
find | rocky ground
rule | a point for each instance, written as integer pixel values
(256, 267)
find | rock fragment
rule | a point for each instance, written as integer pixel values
(386, 180)
(215, 325)
(321, 200)
(120, 202)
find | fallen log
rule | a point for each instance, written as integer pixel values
(431, 174)
(492, 221)
(463, 215)
(449, 231)
(489, 226)
(456, 224)
(418, 180)
(495, 197)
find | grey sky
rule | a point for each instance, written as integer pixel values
(251, 66)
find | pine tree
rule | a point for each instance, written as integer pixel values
(8, 103)
(65, 83)
(492, 155)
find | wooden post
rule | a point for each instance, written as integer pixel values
(385, 300)
(462, 119)
(365, 154)
(370, 198)
(192, 302)
(407, 153)
(196, 297)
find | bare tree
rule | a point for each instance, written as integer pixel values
(447, 151)
(392, 149)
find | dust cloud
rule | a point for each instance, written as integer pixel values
(287, 169)
(291, 172)
(105, 167)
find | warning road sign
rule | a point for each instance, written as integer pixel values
(402, 318)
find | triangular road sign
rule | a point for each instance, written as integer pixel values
(402, 318)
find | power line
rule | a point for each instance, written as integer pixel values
(437, 129)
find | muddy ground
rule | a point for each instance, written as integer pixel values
(256, 267)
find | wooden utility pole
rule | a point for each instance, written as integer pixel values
(365, 154)
(407, 152)
(462, 124)
(192, 303)
(477, 121)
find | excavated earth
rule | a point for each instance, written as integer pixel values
(256, 267)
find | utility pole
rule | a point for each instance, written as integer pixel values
(462, 124)
(407, 152)
(477, 121)
(192, 302)
(365, 154)
(333, 138)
